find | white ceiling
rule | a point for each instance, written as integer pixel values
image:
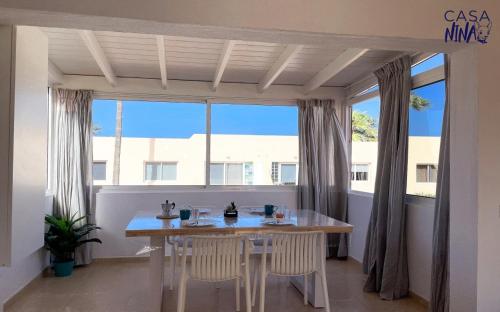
(136, 55)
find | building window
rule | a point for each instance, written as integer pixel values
(160, 171)
(424, 129)
(231, 173)
(364, 149)
(275, 172)
(217, 174)
(359, 172)
(427, 173)
(288, 174)
(99, 170)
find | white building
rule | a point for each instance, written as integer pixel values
(246, 160)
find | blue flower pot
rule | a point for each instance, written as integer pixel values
(64, 268)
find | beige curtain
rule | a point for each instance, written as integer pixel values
(323, 166)
(385, 260)
(71, 155)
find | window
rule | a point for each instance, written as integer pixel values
(231, 173)
(288, 174)
(275, 172)
(251, 140)
(217, 174)
(160, 171)
(364, 148)
(159, 142)
(166, 143)
(427, 173)
(430, 63)
(359, 172)
(99, 170)
(425, 122)
(284, 174)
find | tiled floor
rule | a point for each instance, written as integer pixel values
(122, 286)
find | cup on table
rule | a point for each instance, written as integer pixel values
(282, 214)
(185, 213)
(269, 210)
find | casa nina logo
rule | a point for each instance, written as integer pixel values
(467, 26)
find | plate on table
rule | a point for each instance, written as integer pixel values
(275, 222)
(173, 216)
(200, 223)
(256, 210)
(204, 210)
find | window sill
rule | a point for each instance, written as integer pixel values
(192, 188)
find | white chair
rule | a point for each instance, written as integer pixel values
(176, 241)
(216, 259)
(294, 254)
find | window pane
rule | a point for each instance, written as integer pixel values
(421, 173)
(169, 172)
(153, 171)
(103, 130)
(364, 121)
(430, 63)
(288, 174)
(216, 174)
(99, 170)
(234, 174)
(248, 173)
(274, 172)
(256, 136)
(154, 132)
(426, 118)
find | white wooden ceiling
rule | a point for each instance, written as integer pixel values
(137, 56)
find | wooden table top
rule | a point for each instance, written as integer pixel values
(146, 224)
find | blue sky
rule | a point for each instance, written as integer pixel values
(181, 120)
(422, 123)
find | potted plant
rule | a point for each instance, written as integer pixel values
(231, 211)
(63, 237)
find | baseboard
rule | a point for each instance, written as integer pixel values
(125, 259)
(419, 298)
(15, 297)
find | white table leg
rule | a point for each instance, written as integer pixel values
(156, 263)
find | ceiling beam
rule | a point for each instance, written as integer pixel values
(223, 60)
(56, 76)
(341, 62)
(281, 63)
(160, 42)
(97, 52)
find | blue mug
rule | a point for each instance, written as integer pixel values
(185, 214)
(269, 210)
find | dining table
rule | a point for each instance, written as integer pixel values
(146, 224)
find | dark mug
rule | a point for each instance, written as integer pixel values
(185, 214)
(269, 210)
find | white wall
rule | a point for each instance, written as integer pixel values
(420, 219)
(29, 160)
(114, 209)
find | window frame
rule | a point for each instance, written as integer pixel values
(356, 93)
(208, 130)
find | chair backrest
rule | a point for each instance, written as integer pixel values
(216, 258)
(295, 253)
